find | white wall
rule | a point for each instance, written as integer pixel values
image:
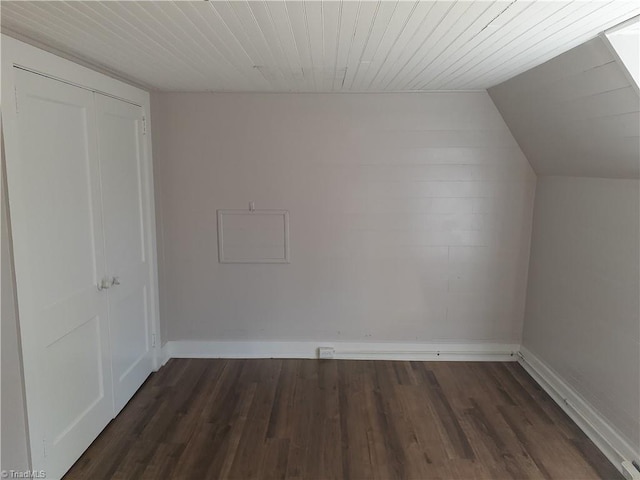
(582, 316)
(410, 216)
(575, 115)
(14, 453)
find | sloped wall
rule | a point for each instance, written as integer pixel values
(576, 115)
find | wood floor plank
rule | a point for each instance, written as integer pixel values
(424, 425)
(356, 420)
(356, 455)
(274, 462)
(279, 419)
(448, 417)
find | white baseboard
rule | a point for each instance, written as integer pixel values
(343, 350)
(165, 354)
(616, 448)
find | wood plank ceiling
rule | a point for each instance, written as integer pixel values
(314, 46)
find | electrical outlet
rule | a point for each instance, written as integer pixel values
(325, 352)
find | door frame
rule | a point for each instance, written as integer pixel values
(19, 54)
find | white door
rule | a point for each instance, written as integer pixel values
(59, 255)
(122, 165)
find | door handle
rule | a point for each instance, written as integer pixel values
(115, 281)
(104, 284)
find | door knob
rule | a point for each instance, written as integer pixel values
(115, 281)
(104, 284)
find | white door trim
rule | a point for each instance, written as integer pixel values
(22, 55)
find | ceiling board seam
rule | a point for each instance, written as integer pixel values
(353, 36)
(413, 82)
(496, 39)
(545, 38)
(441, 35)
(269, 47)
(224, 44)
(306, 27)
(420, 46)
(335, 62)
(293, 36)
(233, 35)
(402, 82)
(556, 32)
(280, 43)
(404, 26)
(364, 46)
(188, 63)
(224, 57)
(373, 55)
(322, 63)
(444, 66)
(499, 15)
(415, 33)
(366, 42)
(226, 25)
(262, 65)
(514, 41)
(222, 74)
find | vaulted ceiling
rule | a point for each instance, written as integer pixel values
(314, 45)
(576, 115)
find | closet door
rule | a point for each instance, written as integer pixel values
(59, 259)
(122, 166)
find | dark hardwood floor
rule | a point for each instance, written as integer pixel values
(308, 419)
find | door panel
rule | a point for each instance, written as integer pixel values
(129, 325)
(121, 152)
(74, 373)
(60, 238)
(58, 191)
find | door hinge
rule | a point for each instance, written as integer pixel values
(44, 447)
(153, 339)
(144, 125)
(15, 92)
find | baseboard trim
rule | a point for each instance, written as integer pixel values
(344, 350)
(591, 422)
(165, 354)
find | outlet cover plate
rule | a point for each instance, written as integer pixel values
(325, 352)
